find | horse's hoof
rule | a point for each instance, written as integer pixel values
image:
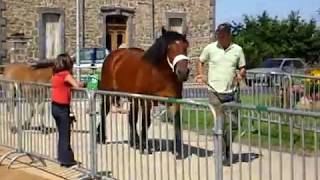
(45, 130)
(13, 130)
(26, 126)
(136, 145)
(179, 156)
(100, 140)
(147, 150)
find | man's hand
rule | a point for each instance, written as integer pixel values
(238, 77)
(200, 78)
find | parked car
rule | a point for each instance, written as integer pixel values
(269, 71)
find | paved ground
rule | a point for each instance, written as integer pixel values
(22, 171)
(17, 174)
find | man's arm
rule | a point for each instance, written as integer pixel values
(242, 73)
(241, 64)
(200, 72)
(200, 77)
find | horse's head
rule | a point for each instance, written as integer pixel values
(177, 54)
(171, 49)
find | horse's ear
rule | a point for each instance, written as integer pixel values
(163, 30)
(185, 32)
(185, 36)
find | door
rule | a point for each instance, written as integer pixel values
(116, 31)
(53, 42)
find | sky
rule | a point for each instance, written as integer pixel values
(233, 10)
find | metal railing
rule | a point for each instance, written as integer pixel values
(269, 143)
(176, 145)
(276, 150)
(289, 91)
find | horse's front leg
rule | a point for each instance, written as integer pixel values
(146, 122)
(27, 123)
(178, 142)
(41, 111)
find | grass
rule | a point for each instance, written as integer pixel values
(262, 99)
(279, 138)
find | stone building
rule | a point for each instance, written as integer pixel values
(43, 28)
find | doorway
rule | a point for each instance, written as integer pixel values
(116, 31)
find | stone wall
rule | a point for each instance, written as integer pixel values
(23, 19)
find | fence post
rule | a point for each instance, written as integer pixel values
(92, 124)
(217, 134)
(18, 115)
(291, 98)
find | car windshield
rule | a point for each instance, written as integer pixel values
(270, 63)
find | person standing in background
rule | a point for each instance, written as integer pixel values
(224, 58)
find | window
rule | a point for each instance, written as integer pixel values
(176, 21)
(119, 39)
(175, 24)
(108, 41)
(116, 31)
(51, 28)
(297, 64)
(270, 63)
(287, 64)
(53, 45)
(118, 27)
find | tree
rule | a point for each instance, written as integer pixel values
(265, 37)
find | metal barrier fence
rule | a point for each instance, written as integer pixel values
(181, 145)
(290, 91)
(27, 126)
(176, 146)
(276, 150)
(195, 91)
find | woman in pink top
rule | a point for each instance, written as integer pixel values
(62, 82)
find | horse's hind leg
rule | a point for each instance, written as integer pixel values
(133, 118)
(101, 129)
(10, 96)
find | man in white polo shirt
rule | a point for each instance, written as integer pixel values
(224, 58)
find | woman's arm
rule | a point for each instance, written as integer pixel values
(74, 83)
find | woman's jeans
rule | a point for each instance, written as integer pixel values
(61, 115)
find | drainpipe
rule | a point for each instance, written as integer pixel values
(213, 4)
(78, 39)
(81, 25)
(153, 24)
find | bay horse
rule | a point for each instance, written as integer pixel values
(37, 72)
(159, 71)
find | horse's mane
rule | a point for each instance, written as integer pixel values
(158, 51)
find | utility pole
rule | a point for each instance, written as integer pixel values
(153, 23)
(213, 5)
(78, 38)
